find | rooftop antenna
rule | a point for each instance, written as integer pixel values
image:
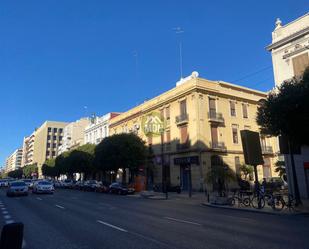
(179, 31)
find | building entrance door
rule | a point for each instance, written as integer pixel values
(184, 176)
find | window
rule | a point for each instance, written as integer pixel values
(60, 130)
(183, 107)
(266, 168)
(60, 138)
(54, 145)
(47, 153)
(48, 137)
(184, 134)
(212, 106)
(214, 135)
(53, 153)
(49, 129)
(235, 133)
(237, 166)
(48, 145)
(300, 63)
(55, 130)
(54, 138)
(245, 110)
(233, 108)
(167, 112)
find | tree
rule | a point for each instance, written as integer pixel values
(220, 174)
(18, 173)
(49, 169)
(285, 111)
(28, 170)
(246, 170)
(62, 164)
(121, 151)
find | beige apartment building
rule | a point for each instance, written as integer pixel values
(202, 123)
(13, 162)
(28, 145)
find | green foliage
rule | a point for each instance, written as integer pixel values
(18, 173)
(49, 169)
(29, 169)
(285, 111)
(120, 151)
(280, 168)
(246, 170)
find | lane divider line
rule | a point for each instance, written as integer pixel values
(38, 198)
(58, 206)
(9, 221)
(5, 212)
(112, 226)
(7, 216)
(183, 221)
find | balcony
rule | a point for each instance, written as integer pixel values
(182, 119)
(216, 117)
(183, 146)
(218, 146)
(267, 150)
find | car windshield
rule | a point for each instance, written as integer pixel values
(18, 184)
(44, 183)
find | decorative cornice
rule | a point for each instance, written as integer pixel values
(304, 48)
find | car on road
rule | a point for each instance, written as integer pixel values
(102, 187)
(43, 187)
(17, 188)
(28, 182)
(120, 189)
(91, 185)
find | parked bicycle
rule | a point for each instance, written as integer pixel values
(280, 201)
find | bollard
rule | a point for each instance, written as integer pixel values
(12, 236)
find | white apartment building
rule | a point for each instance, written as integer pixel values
(290, 48)
(13, 162)
(28, 150)
(98, 128)
(73, 135)
(290, 56)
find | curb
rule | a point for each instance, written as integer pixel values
(254, 210)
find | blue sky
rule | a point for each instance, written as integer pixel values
(58, 56)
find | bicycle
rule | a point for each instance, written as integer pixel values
(279, 202)
(239, 199)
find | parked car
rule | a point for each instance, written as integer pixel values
(118, 188)
(67, 183)
(78, 185)
(58, 184)
(102, 187)
(91, 185)
(17, 188)
(28, 182)
(43, 187)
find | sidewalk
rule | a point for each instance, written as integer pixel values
(196, 196)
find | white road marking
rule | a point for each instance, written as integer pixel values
(9, 221)
(150, 239)
(7, 217)
(5, 212)
(112, 226)
(3, 208)
(38, 198)
(183, 221)
(58, 206)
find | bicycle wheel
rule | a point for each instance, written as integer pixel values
(255, 202)
(245, 201)
(291, 203)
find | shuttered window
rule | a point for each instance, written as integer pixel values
(300, 63)
(183, 134)
(183, 107)
(245, 110)
(212, 105)
(214, 134)
(233, 108)
(235, 134)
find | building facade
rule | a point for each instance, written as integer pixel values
(73, 135)
(290, 48)
(290, 56)
(98, 128)
(48, 138)
(202, 123)
(28, 148)
(13, 162)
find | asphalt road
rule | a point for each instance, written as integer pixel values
(83, 220)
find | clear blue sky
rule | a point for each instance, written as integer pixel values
(58, 56)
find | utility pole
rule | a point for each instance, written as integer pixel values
(178, 32)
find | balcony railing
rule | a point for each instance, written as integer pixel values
(182, 119)
(214, 116)
(267, 150)
(218, 145)
(183, 146)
